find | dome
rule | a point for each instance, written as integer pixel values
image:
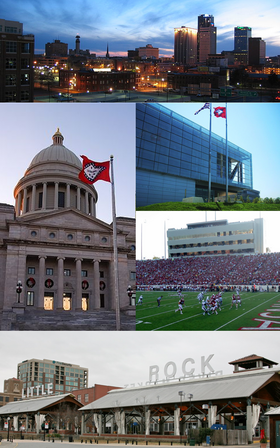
(51, 182)
(57, 152)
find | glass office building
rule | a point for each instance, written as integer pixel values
(172, 159)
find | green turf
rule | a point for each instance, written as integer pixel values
(181, 206)
(150, 317)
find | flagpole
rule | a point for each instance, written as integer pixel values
(226, 158)
(116, 270)
(209, 172)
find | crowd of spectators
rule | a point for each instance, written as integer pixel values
(260, 269)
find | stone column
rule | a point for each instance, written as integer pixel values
(83, 423)
(91, 205)
(78, 198)
(86, 203)
(24, 200)
(147, 422)
(37, 420)
(33, 198)
(177, 421)
(60, 280)
(78, 301)
(67, 195)
(96, 288)
(44, 198)
(15, 422)
(56, 195)
(42, 265)
(249, 421)
(18, 203)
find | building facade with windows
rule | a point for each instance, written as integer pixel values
(206, 37)
(63, 376)
(217, 238)
(53, 243)
(16, 63)
(172, 159)
(12, 391)
(185, 46)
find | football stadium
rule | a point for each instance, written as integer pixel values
(217, 277)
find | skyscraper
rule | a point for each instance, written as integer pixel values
(241, 38)
(206, 37)
(185, 45)
(241, 43)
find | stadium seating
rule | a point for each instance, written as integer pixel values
(261, 269)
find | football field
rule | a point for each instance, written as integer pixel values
(258, 311)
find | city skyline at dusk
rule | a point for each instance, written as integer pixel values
(124, 26)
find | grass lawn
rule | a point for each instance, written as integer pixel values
(259, 311)
(181, 206)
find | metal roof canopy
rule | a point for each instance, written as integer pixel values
(34, 405)
(226, 387)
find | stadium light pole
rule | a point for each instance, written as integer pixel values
(142, 239)
(165, 238)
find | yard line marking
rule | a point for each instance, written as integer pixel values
(241, 315)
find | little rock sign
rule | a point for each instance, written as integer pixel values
(30, 390)
(187, 371)
(170, 369)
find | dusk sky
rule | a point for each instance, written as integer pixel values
(94, 130)
(118, 360)
(125, 25)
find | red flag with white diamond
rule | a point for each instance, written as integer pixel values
(94, 171)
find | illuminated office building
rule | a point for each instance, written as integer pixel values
(185, 45)
(206, 37)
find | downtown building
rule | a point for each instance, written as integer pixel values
(241, 44)
(41, 372)
(206, 38)
(97, 80)
(16, 63)
(172, 160)
(63, 255)
(217, 238)
(185, 46)
(256, 51)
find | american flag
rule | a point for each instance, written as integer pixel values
(206, 106)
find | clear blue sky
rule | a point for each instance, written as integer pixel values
(129, 24)
(252, 126)
(95, 130)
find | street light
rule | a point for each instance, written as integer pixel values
(19, 290)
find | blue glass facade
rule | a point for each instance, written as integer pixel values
(172, 158)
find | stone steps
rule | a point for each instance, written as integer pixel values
(71, 321)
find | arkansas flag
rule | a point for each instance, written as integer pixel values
(220, 112)
(94, 171)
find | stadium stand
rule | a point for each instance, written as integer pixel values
(261, 269)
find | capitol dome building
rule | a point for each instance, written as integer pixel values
(53, 244)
